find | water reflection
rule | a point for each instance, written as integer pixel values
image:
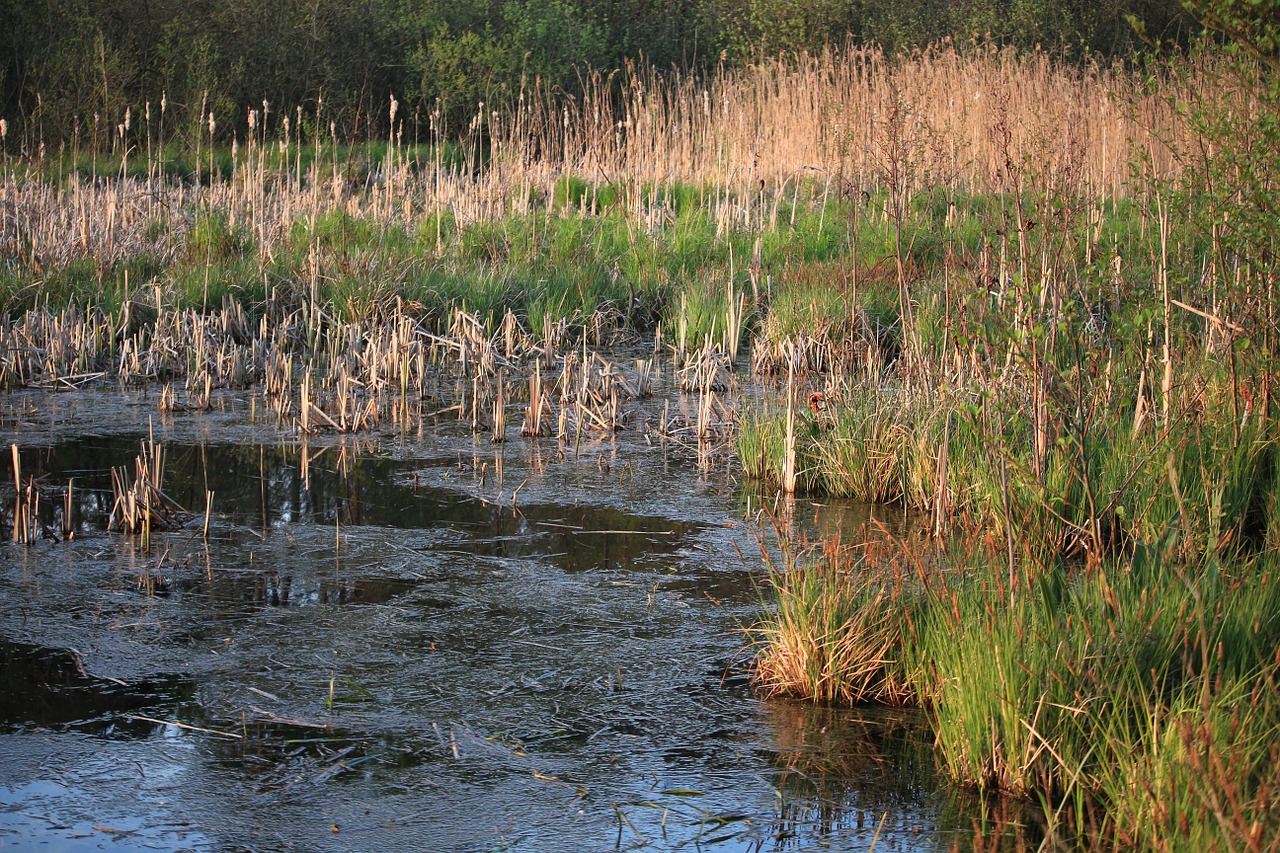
(514, 647)
(49, 688)
(273, 487)
(840, 771)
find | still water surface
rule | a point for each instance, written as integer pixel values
(414, 642)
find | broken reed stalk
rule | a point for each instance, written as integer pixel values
(535, 421)
(304, 413)
(941, 516)
(733, 322)
(644, 377)
(139, 504)
(30, 511)
(789, 454)
(17, 494)
(499, 415)
(68, 532)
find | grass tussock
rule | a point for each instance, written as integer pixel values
(832, 636)
(1137, 701)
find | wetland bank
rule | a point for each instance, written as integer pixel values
(517, 488)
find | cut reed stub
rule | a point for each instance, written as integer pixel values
(139, 505)
(29, 523)
(537, 416)
(709, 369)
(499, 414)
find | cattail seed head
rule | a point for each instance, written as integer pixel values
(212, 124)
(4, 128)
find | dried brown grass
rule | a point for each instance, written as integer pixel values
(749, 137)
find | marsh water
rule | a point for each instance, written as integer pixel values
(414, 641)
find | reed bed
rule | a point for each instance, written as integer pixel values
(1081, 406)
(337, 277)
(716, 169)
(318, 373)
(1073, 383)
(836, 113)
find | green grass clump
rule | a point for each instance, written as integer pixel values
(1100, 487)
(1137, 701)
(810, 299)
(237, 279)
(831, 635)
(80, 282)
(575, 193)
(874, 444)
(213, 237)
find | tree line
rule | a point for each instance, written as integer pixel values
(68, 64)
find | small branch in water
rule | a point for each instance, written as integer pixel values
(184, 726)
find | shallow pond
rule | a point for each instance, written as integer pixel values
(413, 642)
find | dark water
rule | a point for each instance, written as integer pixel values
(421, 642)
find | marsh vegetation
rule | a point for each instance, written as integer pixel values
(1031, 302)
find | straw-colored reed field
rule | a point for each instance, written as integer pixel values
(753, 140)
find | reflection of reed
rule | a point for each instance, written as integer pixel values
(334, 481)
(49, 687)
(841, 770)
(270, 589)
(289, 759)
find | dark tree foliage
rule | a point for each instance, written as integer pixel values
(73, 67)
(1232, 178)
